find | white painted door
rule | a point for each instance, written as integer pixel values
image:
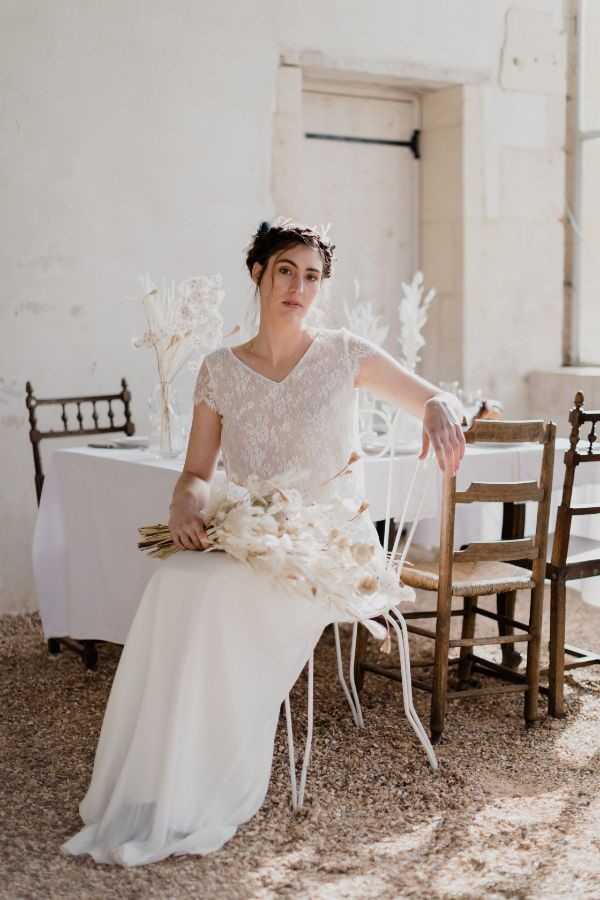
(366, 189)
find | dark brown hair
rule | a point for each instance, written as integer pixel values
(270, 239)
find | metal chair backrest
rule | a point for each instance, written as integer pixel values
(36, 436)
(575, 455)
(502, 550)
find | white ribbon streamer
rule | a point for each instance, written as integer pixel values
(361, 721)
(340, 670)
(399, 627)
(298, 792)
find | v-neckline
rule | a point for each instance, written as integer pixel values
(289, 374)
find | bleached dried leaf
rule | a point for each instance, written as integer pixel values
(412, 313)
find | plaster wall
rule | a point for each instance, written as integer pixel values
(495, 245)
(138, 137)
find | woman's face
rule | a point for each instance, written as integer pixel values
(291, 282)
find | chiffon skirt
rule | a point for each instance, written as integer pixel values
(186, 745)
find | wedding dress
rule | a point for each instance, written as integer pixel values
(185, 750)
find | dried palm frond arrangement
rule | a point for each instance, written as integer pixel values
(182, 320)
(316, 549)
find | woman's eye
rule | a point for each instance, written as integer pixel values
(284, 270)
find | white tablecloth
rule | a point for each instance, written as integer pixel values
(90, 575)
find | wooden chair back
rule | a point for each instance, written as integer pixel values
(502, 550)
(36, 436)
(581, 450)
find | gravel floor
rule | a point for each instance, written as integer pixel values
(511, 813)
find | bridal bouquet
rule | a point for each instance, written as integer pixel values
(314, 549)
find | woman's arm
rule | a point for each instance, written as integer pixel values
(440, 412)
(192, 489)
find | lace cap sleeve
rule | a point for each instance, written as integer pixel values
(204, 391)
(357, 349)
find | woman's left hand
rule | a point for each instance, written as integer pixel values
(442, 431)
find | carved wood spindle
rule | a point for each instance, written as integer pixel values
(126, 398)
(64, 417)
(30, 404)
(575, 421)
(94, 414)
(79, 415)
(592, 436)
(111, 414)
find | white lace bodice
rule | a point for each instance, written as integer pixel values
(307, 422)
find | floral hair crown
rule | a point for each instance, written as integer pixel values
(322, 231)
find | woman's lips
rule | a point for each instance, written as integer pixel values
(293, 303)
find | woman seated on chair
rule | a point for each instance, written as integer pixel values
(185, 751)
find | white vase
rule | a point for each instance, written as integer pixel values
(166, 424)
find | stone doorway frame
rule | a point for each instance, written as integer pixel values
(450, 126)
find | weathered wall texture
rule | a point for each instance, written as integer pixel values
(138, 137)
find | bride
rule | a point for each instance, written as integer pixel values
(184, 754)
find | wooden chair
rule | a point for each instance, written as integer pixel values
(562, 566)
(480, 569)
(86, 648)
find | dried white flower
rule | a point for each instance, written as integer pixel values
(363, 320)
(413, 316)
(368, 584)
(362, 553)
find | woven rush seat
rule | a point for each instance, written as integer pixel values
(470, 579)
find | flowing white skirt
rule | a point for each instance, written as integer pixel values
(185, 751)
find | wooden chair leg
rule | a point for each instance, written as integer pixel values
(513, 526)
(86, 649)
(556, 674)
(362, 638)
(468, 631)
(533, 653)
(439, 693)
(506, 607)
(90, 654)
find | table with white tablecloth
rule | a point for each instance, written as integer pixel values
(90, 575)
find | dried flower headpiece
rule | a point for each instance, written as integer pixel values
(322, 231)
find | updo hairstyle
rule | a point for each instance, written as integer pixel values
(269, 239)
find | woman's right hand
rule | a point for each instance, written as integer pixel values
(186, 524)
(192, 491)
